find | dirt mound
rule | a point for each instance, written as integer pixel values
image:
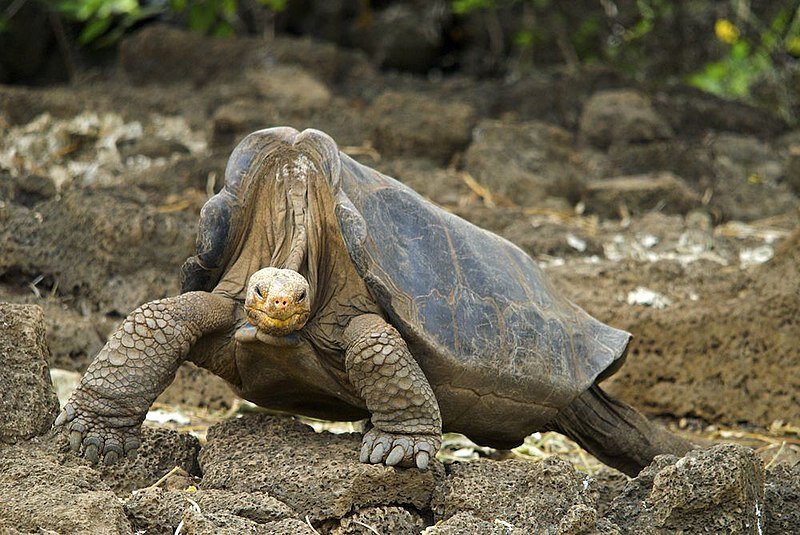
(104, 247)
(724, 358)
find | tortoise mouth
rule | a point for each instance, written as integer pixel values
(276, 326)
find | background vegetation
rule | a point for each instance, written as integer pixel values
(739, 49)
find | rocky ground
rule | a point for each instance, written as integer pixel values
(663, 211)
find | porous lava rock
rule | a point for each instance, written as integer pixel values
(39, 493)
(718, 490)
(160, 511)
(316, 474)
(161, 451)
(384, 519)
(461, 523)
(196, 522)
(782, 498)
(28, 404)
(531, 496)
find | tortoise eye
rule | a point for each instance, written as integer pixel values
(301, 295)
(258, 292)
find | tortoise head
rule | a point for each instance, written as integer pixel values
(278, 301)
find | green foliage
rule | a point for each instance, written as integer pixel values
(749, 59)
(464, 7)
(105, 21)
(735, 73)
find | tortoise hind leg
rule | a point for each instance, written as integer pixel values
(615, 433)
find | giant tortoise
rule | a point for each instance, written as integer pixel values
(323, 288)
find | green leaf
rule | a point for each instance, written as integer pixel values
(94, 29)
(228, 8)
(524, 38)
(464, 7)
(793, 46)
(223, 29)
(202, 17)
(275, 5)
(740, 50)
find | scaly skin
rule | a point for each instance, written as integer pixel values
(104, 415)
(405, 415)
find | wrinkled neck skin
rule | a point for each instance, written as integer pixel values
(290, 222)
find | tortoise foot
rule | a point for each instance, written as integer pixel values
(394, 449)
(98, 429)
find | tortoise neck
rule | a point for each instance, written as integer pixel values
(296, 176)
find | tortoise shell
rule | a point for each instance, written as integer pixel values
(472, 306)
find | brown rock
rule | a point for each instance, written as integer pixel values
(621, 117)
(163, 54)
(161, 451)
(691, 160)
(524, 162)
(530, 496)
(414, 124)
(316, 474)
(782, 499)
(719, 490)
(749, 179)
(235, 119)
(385, 519)
(159, 511)
(108, 245)
(289, 86)
(38, 493)
(202, 523)
(463, 523)
(28, 404)
(198, 387)
(639, 194)
(792, 177)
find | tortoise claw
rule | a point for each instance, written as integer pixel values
(75, 439)
(377, 453)
(398, 449)
(395, 456)
(88, 427)
(110, 458)
(91, 453)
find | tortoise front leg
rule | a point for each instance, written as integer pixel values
(407, 426)
(105, 413)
